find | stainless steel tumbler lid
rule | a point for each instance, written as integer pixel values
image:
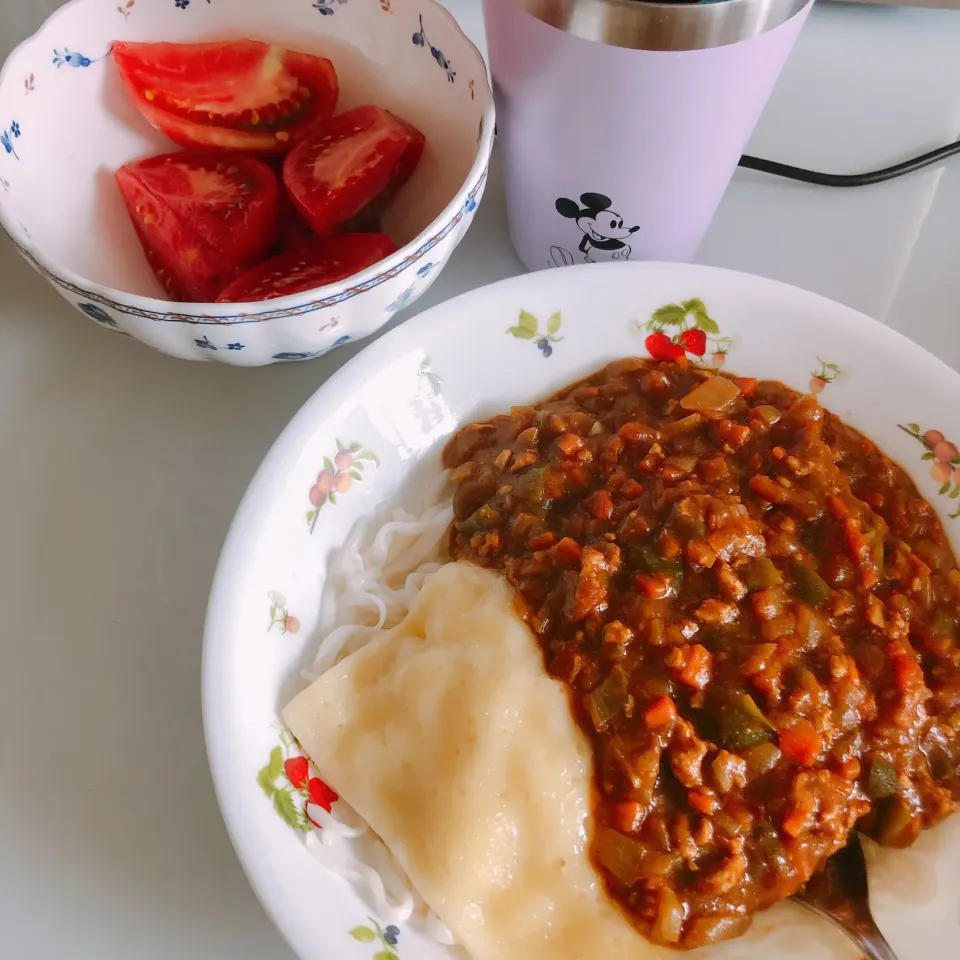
(642, 25)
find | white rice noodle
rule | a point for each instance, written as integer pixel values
(372, 582)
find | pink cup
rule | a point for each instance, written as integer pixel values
(622, 122)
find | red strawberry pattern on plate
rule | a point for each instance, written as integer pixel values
(685, 329)
(944, 457)
(289, 780)
(824, 374)
(291, 784)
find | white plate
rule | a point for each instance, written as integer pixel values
(399, 400)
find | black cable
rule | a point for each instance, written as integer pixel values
(853, 179)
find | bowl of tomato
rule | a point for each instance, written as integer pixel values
(243, 182)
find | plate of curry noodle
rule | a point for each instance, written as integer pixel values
(587, 615)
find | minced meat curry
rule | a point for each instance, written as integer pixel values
(755, 613)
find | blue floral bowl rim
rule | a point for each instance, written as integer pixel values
(154, 308)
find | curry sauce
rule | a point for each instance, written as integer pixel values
(755, 613)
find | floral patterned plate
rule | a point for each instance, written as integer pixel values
(376, 428)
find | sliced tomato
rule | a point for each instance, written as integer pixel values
(316, 265)
(294, 232)
(350, 163)
(202, 218)
(242, 95)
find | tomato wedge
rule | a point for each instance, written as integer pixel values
(320, 263)
(202, 218)
(350, 162)
(242, 95)
(293, 232)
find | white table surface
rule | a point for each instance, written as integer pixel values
(120, 470)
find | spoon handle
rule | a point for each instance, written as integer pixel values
(864, 933)
(840, 893)
(873, 944)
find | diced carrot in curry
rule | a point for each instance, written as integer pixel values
(697, 670)
(800, 742)
(626, 816)
(661, 713)
(653, 585)
(704, 802)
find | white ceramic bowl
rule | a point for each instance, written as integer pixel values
(400, 400)
(66, 125)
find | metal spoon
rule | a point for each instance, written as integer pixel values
(839, 894)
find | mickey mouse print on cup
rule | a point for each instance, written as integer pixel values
(605, 233)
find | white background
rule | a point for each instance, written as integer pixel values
(120, 470)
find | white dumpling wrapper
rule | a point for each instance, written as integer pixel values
(449, 738)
